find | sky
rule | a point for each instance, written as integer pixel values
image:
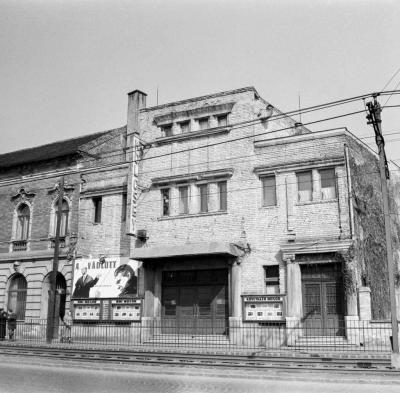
(66, 66)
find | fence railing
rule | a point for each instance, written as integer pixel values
(350, 336)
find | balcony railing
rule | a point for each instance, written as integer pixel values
(19, 245)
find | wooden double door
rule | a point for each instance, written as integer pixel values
(323, 300)
(195, 302)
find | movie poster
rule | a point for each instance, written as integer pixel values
(109, 278)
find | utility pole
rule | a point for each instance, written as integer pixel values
(374, 118)
(51, 317)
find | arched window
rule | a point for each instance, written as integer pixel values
(17, 295)
(23, 218)
(64, 217)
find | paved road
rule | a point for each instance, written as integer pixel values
(42, 375)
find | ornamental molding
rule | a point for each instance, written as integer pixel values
(68, 188)
(23, 195)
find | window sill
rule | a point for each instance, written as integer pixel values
(96, 223)
(272, 207)
(319, 201)
(216, 213)
(193, 134)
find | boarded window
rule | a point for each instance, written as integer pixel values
(269, 191)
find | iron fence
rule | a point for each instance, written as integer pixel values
(350, 336)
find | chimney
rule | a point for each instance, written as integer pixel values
(136, 102)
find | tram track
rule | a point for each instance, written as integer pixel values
(377, 366)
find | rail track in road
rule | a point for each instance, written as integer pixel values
(377, 365)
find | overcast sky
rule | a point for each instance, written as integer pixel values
(66, 66)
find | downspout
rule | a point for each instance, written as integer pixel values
(350, 190)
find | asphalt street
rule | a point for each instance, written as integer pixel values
(42, 375)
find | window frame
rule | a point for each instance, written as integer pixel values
(222, 116)
(184, 123)
(272, 281)
(275, 197)
(205, 120)
(166, 127)
(97, 209)
(20, 295)
(222, 196)
(22, 229)
(334, 180)
(311, 190)
(165, 202)
(201, 196)
(184, 200)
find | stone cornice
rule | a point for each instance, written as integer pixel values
(290, 250)
(196, 176)
(196, 112)
(192, 135)
(299, 165)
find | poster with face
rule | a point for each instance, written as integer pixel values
(109, 278)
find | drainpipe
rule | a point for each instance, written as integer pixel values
(350, 190)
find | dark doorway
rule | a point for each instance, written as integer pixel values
(195, 302)
(323, 299)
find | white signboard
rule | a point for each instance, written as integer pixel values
(111, 278)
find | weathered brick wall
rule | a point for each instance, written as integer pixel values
(265, 227)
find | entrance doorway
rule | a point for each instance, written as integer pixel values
(323, 299)
(195, 302)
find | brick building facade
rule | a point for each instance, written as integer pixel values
(216, 212)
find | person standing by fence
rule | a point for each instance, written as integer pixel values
(66, 330)
(12, 324)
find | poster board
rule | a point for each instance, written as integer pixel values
(263, 308)
(113, 277)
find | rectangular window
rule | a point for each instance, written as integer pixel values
(165, 196)
(269, 191)
(185, 126)
(123, 207)
(166, 130)
(203, 193)
(304, 186)
(97, 202)
(328, 183)
(272, 279)
(203, 123)
(184, 200)
(222, 193)
(222, 120)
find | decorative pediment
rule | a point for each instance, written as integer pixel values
(23, 195)
(68, 188)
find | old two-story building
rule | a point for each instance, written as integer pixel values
(29, 198)
(246, 218)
